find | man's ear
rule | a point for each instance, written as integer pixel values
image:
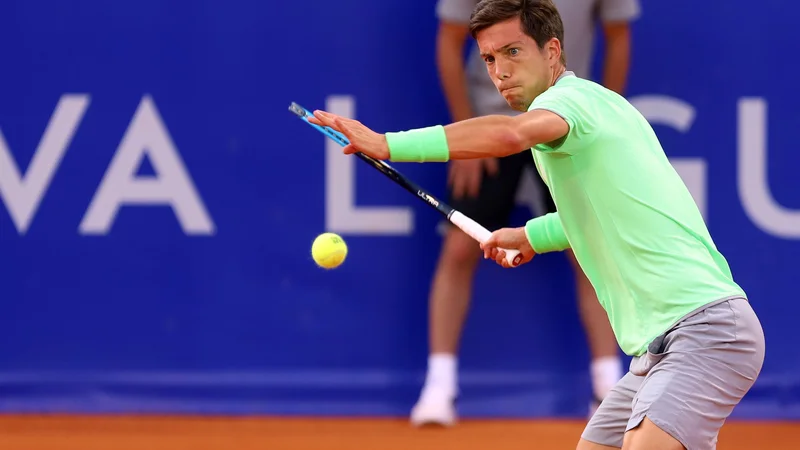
(553, 49)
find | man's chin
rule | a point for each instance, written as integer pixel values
(516, 103)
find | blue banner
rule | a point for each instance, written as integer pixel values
(159, 208)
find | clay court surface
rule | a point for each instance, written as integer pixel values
(155, 433)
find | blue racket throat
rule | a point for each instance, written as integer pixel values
(330, 132)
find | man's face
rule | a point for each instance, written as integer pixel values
(518, 68)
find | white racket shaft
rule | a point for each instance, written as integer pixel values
(481, 234)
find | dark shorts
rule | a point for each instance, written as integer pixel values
(495, 202)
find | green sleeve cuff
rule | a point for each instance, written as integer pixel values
(419, 145)
(546, 234)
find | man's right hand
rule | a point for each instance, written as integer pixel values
(464, 176)
(510, 239)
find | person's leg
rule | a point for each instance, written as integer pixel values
(606, 428)
(449, 301)
(606, 364)
(451, 290)
(696, 374)
(586, 445)
(648, 436)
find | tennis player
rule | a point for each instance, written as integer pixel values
(696, 343)
(486, 190)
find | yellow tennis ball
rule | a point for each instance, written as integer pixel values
(329, 250)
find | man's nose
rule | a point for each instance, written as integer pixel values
(501, 70)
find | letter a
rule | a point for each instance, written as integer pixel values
(172, 184)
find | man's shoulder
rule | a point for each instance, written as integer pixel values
(589, 108)
(567, 88)
(574, 89)
(576, 84)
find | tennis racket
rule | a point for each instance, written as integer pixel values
(467, 225)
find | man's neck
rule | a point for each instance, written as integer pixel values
(558, 70)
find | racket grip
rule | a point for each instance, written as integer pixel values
(479, 233)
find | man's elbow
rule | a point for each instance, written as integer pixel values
(510, 141)
(533, 128)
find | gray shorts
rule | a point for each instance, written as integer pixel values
(689, 380)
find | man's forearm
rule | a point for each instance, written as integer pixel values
(617, 59)
(500, 135)
(453, 79)
(546, 234)
(450, 40)
(483, 137)
(480, 137)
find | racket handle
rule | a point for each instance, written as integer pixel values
(481, 234)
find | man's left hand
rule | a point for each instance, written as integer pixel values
(361, 138)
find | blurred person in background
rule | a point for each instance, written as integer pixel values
(486, 190)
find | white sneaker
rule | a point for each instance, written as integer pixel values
(434, 407)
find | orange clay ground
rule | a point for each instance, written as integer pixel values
(178, 433)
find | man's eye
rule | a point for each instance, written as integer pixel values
(514, 51)
(489, 60)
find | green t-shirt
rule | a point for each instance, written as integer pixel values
(626, 213)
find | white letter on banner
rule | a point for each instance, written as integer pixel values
(22, 194)
(753, 182)
(341, 213)
(172, 185)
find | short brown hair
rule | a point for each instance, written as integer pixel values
(540, 19)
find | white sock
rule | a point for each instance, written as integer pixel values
(442, 373)
(606, 371)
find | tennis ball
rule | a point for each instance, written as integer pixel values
(329, 250)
